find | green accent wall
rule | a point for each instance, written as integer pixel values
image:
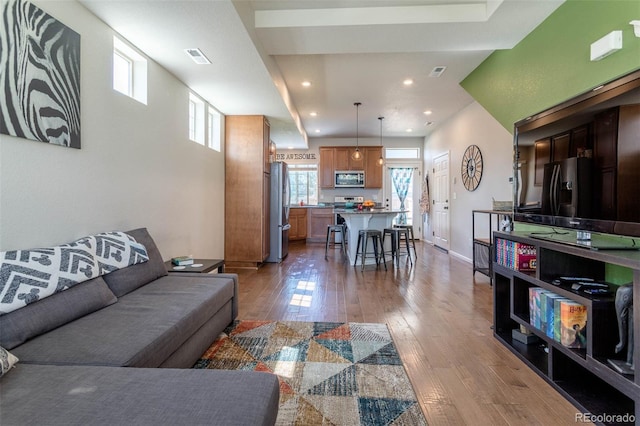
(552, 63)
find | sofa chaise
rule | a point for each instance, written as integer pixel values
(88, 354)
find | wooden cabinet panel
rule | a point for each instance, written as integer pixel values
(605, 138)
(327, 167)
(317, 221)
(298, 222)
(628, 163)
(373, 170)
(246, 191)
(342, 159)
(560, 147)
(266, 134)
(580, 140)
(542, 156)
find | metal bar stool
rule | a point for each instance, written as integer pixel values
(376, 238)
(333, 230)
(409, 228)
(396, 234)
(393, 233)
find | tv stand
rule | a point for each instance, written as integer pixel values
(585, 376)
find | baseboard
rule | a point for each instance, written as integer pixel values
(459, 256)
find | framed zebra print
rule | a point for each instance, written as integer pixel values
(40, 76)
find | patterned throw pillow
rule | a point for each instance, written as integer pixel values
(7, 361)
(30, 275)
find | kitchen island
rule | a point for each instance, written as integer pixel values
(356, 220)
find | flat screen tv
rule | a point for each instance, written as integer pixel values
(577, 164)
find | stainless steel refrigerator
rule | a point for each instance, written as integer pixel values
(280, 201)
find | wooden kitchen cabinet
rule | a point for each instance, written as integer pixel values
(318, 218)
(298, 222)
(327, 167)
(334, 159)
(372, 170)
(247, 187)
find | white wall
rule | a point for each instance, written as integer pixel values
(471, 126)
(136, 167)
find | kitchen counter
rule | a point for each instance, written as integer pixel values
(357, 220)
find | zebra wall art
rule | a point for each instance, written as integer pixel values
(39, 75)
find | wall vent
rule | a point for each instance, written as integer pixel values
(197, 56)
(437, 71)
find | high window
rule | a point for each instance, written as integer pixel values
(196, 119)
(214, 134)
(129, 71)
(303, 183)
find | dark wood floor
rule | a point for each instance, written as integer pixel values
(440, 317)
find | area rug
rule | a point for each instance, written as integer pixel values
(329, 373)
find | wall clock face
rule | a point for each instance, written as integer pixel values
(471, 167)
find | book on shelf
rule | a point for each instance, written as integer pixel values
(534, 306)
(182, 260)
(550, 299)
(514, 255)
(573, 324)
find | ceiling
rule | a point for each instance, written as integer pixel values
(350, 51)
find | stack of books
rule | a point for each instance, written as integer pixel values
(514, 255)
(182, 260)
(559, 318)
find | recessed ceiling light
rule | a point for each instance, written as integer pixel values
(317, 130)
(428, 112)
(290, 147)
(197, 56)
(408, 82)
(313, 113)
(306, 83)
(409, 130)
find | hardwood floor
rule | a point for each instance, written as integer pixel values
(440, 318)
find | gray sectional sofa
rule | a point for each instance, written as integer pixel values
(88, 355)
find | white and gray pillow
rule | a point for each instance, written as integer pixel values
(30, 275)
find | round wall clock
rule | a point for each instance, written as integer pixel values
(471, 167)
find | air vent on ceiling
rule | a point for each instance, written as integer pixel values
(437, 71)
(197, 56)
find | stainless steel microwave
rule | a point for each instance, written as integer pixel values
(349, 179)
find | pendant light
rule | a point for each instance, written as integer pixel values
(357, 155)
(381, 159)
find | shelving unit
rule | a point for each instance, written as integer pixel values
(583, 375)
(482, 245)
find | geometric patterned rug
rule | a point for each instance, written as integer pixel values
(329, 373)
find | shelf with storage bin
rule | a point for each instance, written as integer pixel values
(582, 375)
(482, 244)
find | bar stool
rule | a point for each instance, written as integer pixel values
(333, 230)
(376, 238)
(396, 243)
(409, 228)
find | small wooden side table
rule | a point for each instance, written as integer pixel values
(204, 266)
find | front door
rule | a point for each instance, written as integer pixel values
(441, 201)
(402, 186)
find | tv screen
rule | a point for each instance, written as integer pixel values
(577, 164)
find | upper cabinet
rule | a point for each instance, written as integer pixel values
(372, 170)
(327, 167)
(339, 158)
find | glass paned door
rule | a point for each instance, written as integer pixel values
(402, 187)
